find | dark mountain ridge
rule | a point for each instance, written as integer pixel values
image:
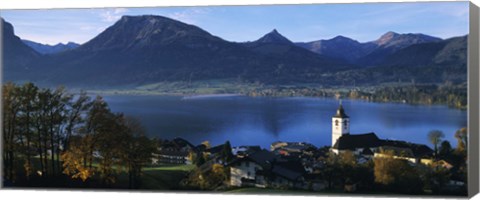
(339, 47)
(16, 56)
(390, 43)
(50, 49)
(147, 49)
(367, 53)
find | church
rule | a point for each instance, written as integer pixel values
(368, 145)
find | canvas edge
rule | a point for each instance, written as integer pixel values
(473, 100)
(1, 108)
(473, 108)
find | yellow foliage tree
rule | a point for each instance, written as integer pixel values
(73, 164)
(207, 144)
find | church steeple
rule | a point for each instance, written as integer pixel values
(341, 112)
(340, 124)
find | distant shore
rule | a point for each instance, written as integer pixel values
(200, 96)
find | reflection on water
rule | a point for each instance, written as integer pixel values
(263, 120)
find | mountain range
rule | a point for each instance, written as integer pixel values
(50, 49)
(139, 50)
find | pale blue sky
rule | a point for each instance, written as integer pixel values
(299, 23)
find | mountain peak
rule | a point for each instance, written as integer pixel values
(274, 37)
(386, 38)
(145, 30)
(341, 38)
(402, 40)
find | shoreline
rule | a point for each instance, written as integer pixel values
(188, 96)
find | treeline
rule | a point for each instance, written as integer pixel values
(50, 134)
(447, 94)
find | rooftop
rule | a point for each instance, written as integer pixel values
(351, 142)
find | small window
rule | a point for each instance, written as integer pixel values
(336, 122)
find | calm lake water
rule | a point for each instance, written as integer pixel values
(263, 120)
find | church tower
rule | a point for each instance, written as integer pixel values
(340, 124)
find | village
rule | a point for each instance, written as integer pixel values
(353, 163)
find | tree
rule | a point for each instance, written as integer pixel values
(462, 138)
(445, 149)
(200, 159)
(98, 120)
(435, 137)
(75, 118)
(27, 95)
(396, 174)
(226, 153)
(138, 150)
(206, 144)
(10, 110)
(73, 160)
(332, 171)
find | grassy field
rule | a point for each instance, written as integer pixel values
(165, 177)
(265, 191)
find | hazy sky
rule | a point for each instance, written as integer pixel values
(299, 23)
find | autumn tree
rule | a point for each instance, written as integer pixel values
(332, 171)
(206, 144)
(462, 140)
(396, 174)
(435, 137)
(73, 163)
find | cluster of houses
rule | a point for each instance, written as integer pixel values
(295, 164)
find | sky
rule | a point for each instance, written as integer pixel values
(299, 23)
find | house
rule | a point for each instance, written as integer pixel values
(265, 169)
(296, 149)
(175, 151)
(241, 151)
(287, 174)
(171, 157)
(414, 153)
(177, 144)
(251, 170)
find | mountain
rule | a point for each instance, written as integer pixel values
(292, 63)
(432, 62)
(339, 47)
(391, 42)
(146, 49)
(16, 56)
(444, 52)
(397, 41)
(275, 45)
(50, 49)
(274, 37)
(368, 53)
(139, 50)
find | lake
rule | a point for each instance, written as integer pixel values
(262, 120)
